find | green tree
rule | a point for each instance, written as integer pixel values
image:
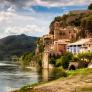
(52, 60)
(58, 62)
(90, 7)
(86, 23)
(26, 59)
(85, 57)
(66, 59)
(38, 59)
(41, 46)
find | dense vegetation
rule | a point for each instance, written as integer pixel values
(33, 57)
(26, 59)
(62, 60)
(90, 7)
(86, 23)
(16, 45)
(83, 59)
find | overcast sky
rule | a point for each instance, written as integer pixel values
(33, 17)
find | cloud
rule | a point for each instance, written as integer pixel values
(28, 30)
(31, 30)
(55, 3)
(5, 16)
(32, 17)
(50, 3)
(12, 8)
(12, 23)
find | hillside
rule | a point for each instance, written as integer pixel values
(16, 45)
(78, 81)
(81, 19)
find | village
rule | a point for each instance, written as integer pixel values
(64, 55)
(65, 40)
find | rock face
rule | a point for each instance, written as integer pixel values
(69, 26)
(69, 32)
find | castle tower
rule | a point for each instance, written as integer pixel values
(45, 60)
(56, 30)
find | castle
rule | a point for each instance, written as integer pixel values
(60, 38)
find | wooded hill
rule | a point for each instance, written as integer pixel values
(16, 45)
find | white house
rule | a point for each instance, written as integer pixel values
(83, 45)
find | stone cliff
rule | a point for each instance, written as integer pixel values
(74, 25)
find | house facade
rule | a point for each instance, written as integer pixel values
(83, 45)
(47, 39)
(60, 45)
(65, 33)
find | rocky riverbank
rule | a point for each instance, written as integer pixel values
(78, 81)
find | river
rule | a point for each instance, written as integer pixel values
(13, 77)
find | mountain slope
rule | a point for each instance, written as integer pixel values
(16, 45)
(81, 19)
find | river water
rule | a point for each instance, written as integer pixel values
(13, 77)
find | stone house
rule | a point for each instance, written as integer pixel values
(60, 45)
(47, 39)
(65, 33)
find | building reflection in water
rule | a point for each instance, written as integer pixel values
(50, 74)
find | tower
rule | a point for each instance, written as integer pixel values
(45, 60)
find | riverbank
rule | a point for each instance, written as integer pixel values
(77, 81)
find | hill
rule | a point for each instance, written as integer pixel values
(16, 45)
(81, 19)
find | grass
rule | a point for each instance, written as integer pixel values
(85, 89)
(70, 73)
(83, 71)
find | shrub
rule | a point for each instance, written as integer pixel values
(58, 72)
(66, 59)
(25, 88)
(62, 60)
(58, 62)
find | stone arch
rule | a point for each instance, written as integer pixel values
(72, 67)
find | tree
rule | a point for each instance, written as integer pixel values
(41, 46)
(85, 57)
(59, 62)
(52, 60)
(86, 23)
(90, 7)
(26, 59)
(66, 59)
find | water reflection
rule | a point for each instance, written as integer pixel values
(14, 77)
(51, 74)
(45, 74)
